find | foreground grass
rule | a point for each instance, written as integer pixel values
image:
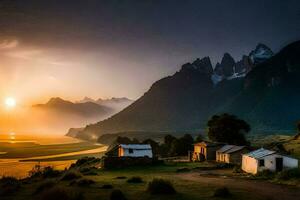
(188, 190)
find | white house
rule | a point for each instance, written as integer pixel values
(131, 150)
(263, 159)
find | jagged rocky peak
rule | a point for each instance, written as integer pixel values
(227, 65)
(218, 69)
(260, 54)
(201, 65)
(244, 65)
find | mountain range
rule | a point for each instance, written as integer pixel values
(114, 103)
(261, 88)
(58, 115)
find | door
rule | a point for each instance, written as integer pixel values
(279, 164)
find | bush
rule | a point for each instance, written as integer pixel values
(121, 177)
(71, 175)
(160, 186)
(88, 171)
(9, 185)
(106, 186)
(289, 174)
(117, 195)
(83, 182)
(135, 179)
(265, 174)
(86, 160)
(58, 193)
(47, 172)
(45, 186)
(222, 192)
(237, 169)
(183, 169)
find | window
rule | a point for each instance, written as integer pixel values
(130, 150)
(261, 163)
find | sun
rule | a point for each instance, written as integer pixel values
(10, 102)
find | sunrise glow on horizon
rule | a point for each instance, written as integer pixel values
(10, 102)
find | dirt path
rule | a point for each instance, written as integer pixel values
(264, 189)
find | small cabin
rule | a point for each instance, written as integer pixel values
(231, 154)
(205, 151)
(131, 150)
(263, 159)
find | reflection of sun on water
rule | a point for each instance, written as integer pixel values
(12, 137)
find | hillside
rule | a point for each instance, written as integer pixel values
(264, 91)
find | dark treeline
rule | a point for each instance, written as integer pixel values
(171, 146)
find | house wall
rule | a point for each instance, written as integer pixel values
(222, 157)
(290, 162)
(199, 153)
(249, 164)
(270, 162)
(236, 157)
(137, 153)
(210, 153)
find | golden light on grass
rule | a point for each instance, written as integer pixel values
(10, 102)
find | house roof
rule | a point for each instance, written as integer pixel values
(136, 146)
(260, 153)
(235, 149)
(225, 148)
(230, 149)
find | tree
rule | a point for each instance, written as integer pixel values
(168, 139)
(199, 138)
(181, 146)
(228, 129)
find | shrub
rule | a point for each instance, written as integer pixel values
(265, 174)
(107, 186)
(58, 193)
(222, 192)
(121, 177)
(183, 169)
(45, 186)
(47, 172)
(88, 171)
(86, 160)
(83, 182)
(135, 179)
(117, 195)
(71, 175)
(161, 186)
(289, 174)
(237, 169)
(9, 185)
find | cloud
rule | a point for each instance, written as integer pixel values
(9, 44)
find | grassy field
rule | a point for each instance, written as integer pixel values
(17, 159)
(26, 150)
(187, 188)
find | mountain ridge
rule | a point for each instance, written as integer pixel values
(185, 100)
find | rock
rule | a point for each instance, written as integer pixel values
(260, 54)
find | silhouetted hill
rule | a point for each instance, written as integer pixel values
(266, 94)
(87, 109)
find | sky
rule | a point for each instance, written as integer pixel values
(116, 48)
